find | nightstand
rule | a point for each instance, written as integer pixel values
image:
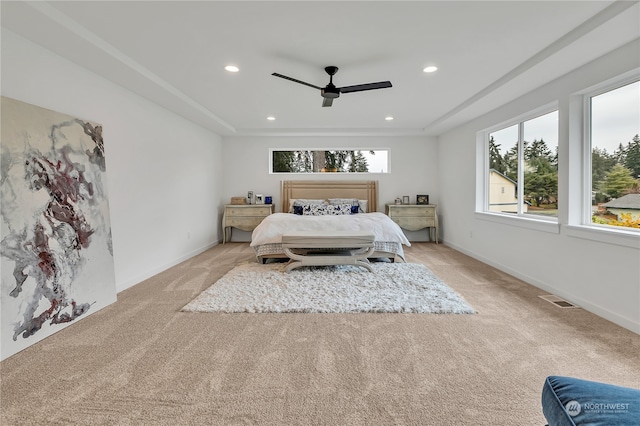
(414, 217)
(243, 216)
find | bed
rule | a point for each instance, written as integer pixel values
(266, 239)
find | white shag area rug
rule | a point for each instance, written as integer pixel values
(392, 287)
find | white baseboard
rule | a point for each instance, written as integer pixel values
(629, 324)
(121, 286)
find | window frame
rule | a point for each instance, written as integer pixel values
(334, 174)
(579, 221)
(525, 220)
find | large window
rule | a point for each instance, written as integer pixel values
(614, 128)
(325, 161)
(522, 169)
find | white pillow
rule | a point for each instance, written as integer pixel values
(352, 201)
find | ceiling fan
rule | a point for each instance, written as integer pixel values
(330, 91)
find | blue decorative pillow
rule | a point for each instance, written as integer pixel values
(325, 209)
(302, 201)
(297, 210)
(355, 209)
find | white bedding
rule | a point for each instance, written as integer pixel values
(273, 226)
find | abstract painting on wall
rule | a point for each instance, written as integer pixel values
(55, 242)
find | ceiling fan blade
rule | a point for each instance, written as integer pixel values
(363, 87)
(327, 102)
(295, 80)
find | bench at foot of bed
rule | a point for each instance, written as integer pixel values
(308, 248)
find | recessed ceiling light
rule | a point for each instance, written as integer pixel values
(232, 68)
(271, 118)
(388, 118)
(430, 68)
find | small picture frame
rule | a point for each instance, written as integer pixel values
(405, 199)
(422, 199)
(250, 197)
(259, 199)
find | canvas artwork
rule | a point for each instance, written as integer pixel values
(55, 242)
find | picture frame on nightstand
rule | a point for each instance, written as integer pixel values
(405, 199)
(422, 199)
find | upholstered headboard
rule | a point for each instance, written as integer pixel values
(314, 189)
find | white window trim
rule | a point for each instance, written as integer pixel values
(619, 236)
(523, 220)
(579, 223)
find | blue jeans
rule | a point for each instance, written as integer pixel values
(573, 402)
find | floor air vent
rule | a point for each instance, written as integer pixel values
(558, 301)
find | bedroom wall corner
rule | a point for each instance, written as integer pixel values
(164, 172)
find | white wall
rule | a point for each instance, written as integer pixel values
(599, 276)
(414, 165)
(164, 173)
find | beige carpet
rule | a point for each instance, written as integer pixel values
(141, 361)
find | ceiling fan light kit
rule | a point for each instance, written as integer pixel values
(331, 92)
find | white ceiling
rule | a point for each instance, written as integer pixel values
(174, 53)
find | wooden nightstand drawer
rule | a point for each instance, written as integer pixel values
(246, 223)
(418, 211)
(261, 211)
(414, 223)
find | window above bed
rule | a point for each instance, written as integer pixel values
(329, 161)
